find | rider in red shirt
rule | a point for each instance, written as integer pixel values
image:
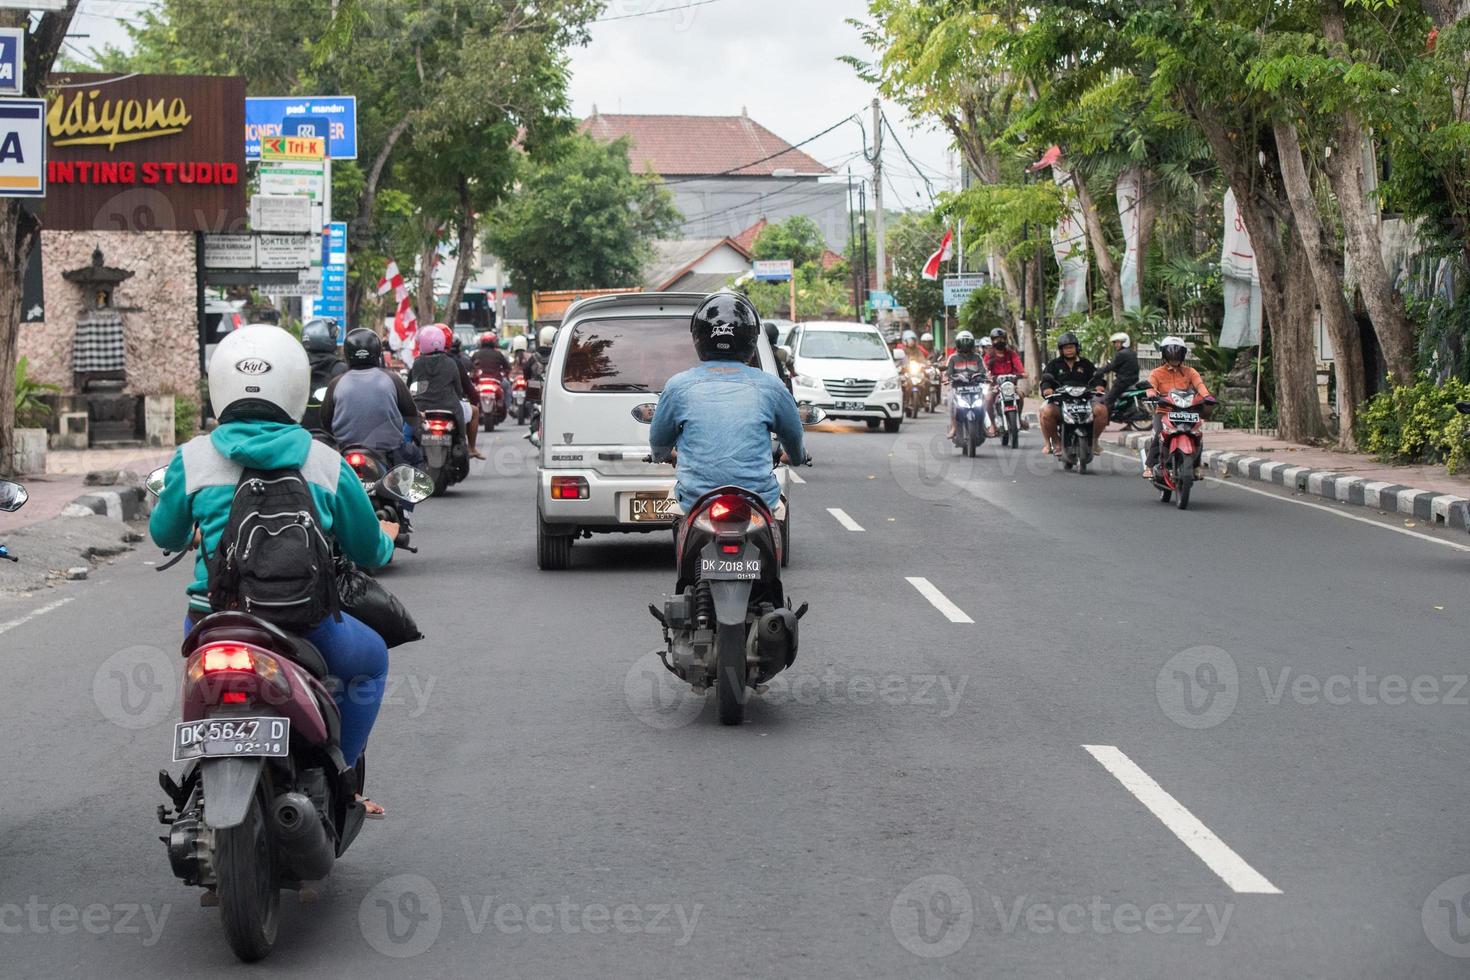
(1002, 358)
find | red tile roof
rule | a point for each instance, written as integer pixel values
(701, 145)
(746, 239)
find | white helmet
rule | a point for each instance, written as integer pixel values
(926, 338)
(1170, 346)
(263, 364)
(518, 342)
(546, 337)
(986, 342)
(1121, 338)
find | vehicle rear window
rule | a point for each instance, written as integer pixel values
(843, 345)
(627, 354)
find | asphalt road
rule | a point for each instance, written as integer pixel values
(1223, 742)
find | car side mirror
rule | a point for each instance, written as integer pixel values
(13, 496)
(154, 483)
(408, 483)
(810, 414)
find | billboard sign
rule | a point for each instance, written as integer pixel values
(287, 116)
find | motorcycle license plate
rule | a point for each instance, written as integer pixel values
(726, 569)
(651, 508)
(851, 406)
(1182, 417)
(1077, 413)
(431, 440)
(218, 737)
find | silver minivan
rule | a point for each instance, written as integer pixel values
(611, 358)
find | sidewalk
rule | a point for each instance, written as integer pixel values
(65, 484)
(1425, 492)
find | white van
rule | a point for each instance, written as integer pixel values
(847, 370)
(611, 358)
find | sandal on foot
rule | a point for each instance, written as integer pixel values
(373, 810)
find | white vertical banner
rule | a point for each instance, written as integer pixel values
(1130, 186)
(1242, 282)
(1069, 245)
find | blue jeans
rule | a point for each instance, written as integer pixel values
(358, 660)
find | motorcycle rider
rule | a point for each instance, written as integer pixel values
(490, 362)
(1070, 369)
(926, 344)
(773, 334)
(965, 366)
(1123, 367)
(436, 379)
(369, 405)
(1002, 358)
(258, 429)
(720, 414)
(471, 406)
(1169, 376)
(519, 354)
(319, 338)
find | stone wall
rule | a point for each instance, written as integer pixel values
(161, 324)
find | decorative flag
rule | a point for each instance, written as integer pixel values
(1048, 159)
(1069, 245)
(392, 278)
(405, 320)
(1242, 282)
(1129, 190)
(931, 268)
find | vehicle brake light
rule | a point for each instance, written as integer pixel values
(729, 509)
(569, 488)
(234, 697)
(438, 426)
(227, 657)
(356, 460)
(519, 383)
(730, 549)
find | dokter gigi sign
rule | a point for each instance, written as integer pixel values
(145, 153)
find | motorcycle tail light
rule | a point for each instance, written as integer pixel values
(520, 384)
(569, 488)
(231, 663)
(356, 460)
(438, 426)
(729, 509)
(731, 549)
(234, 697)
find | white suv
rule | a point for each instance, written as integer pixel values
(847, 370)
(612, 357)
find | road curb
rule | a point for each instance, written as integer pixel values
(121, 504)
(1445, 509)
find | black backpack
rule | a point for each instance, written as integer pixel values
(274, 561)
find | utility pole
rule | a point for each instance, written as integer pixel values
(877, 159)
(863, 234)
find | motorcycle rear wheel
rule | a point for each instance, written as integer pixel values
(730, 674)
(249, 895)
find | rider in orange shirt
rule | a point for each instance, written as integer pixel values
(1169, 376)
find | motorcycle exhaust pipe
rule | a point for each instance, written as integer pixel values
(303, 840)
(776, 636)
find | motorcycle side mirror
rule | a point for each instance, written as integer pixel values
(13, 496)
(534, 438)
(810, 414)
(408, 483)
(644, 412)
(154, 483)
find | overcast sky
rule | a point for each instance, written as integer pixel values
(775, 58)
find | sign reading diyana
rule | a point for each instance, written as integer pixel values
(145, 153)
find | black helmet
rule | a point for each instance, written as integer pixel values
(773, 332)
(999, 334)
(319, 336)
(1068, 338)
(363, 349)
(456, 344)
(725, 328)
(964, 342)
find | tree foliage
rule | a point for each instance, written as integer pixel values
(796, 238)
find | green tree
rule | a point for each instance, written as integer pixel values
(796, 238)
(581, 219)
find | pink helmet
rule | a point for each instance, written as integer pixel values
(433, 340)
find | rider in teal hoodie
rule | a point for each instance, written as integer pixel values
(258, 385)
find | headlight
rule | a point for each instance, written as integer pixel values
(888, 384)
(805, 381)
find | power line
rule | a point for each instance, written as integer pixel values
(769, 156)
(904, 150)
(655, 10)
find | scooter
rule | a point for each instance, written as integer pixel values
(915, 388)
(1077, 419)
(13, 497)
(1007, 410)
(493, 409)
(518, 399)
(936, 388)
(969, 401)
(1132, 409)
(1182, 444)
(446, 454)
(266, 800)
(389, 489)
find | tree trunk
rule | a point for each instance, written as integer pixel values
(1347, 347)
(428, 259)
(465, 230)
(1103, 257)
(1282, 264)
(1360, 227)
(362, 228)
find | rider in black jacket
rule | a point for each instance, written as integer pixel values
(1070, 369)
(1123, 367)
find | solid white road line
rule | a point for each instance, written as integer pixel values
(1214, 852)
(796, 477)
(39, 611)
(936, 598)
(844, 520)
(1235, 483)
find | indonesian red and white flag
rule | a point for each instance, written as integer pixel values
(392, 279)
(946, 249)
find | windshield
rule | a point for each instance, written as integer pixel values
(844, 345)
(627, 354)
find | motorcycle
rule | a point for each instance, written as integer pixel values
(1132, 409)
(969, 400)
(446, 454)
(1181, 444)
(1076, 430)
(915, 388)
(518, 399)
(936, 388)
(265, 801)
(729, 624)
(1007, 410)
(389, 489)
(492, 400)
(13, 497)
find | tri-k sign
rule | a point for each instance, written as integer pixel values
(292, 148)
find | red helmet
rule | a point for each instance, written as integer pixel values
(488, 339)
